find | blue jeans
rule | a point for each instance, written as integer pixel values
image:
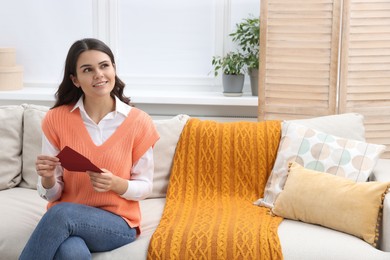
(73, 231)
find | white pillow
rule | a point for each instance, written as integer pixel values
(164, 150)
(32, 143)
(322, 152)
(348, 125)
(11, 118)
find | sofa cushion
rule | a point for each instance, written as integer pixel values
(164, 149)
(319, 151)
(151, 210)
(32, 143)
(338, 125)
(332, 201)
(11, 138)
(306, 241)
(21, 209)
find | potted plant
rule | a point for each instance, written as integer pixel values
(233, 69)
(247, 36)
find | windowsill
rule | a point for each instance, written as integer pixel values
(31, 94)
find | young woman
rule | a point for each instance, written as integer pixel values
(92, 211)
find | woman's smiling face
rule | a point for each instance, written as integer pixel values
(95, 74)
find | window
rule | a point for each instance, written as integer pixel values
(159, 44)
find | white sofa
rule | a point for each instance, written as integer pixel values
(21, 207)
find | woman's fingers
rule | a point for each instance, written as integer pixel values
(101, 182)
(45, 165)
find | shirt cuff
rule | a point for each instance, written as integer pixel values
(127, 194)
(137, 190)
(48, 194)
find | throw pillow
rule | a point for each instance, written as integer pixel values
(319, 151)
(11, 118)
(32, 143)
(332, 201)
(163, 151)
(338, 125)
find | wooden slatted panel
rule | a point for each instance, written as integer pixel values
(299, 42)
(365, 66)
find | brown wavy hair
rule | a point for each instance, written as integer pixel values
(67, 92)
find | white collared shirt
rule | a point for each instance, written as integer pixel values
(141, 181)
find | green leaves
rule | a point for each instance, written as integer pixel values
(232, 63)
(247, 36)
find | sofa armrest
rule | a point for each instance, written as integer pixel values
(384, 242)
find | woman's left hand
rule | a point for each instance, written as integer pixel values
(106, 181)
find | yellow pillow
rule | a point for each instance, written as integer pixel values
(332, 201)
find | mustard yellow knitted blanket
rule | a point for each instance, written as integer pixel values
(219, 170)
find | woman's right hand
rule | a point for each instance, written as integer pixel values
(45, 165)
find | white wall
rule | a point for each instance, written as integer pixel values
(42, 31)
(158, 43)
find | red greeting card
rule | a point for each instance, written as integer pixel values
(76, 162)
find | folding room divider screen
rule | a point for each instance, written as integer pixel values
(324, 57)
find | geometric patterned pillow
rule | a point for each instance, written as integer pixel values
(339, 125)
(322, 152)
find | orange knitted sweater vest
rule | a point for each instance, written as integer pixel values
(117, 154)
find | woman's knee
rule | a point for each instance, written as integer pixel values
(73, 248)
(62, 211)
